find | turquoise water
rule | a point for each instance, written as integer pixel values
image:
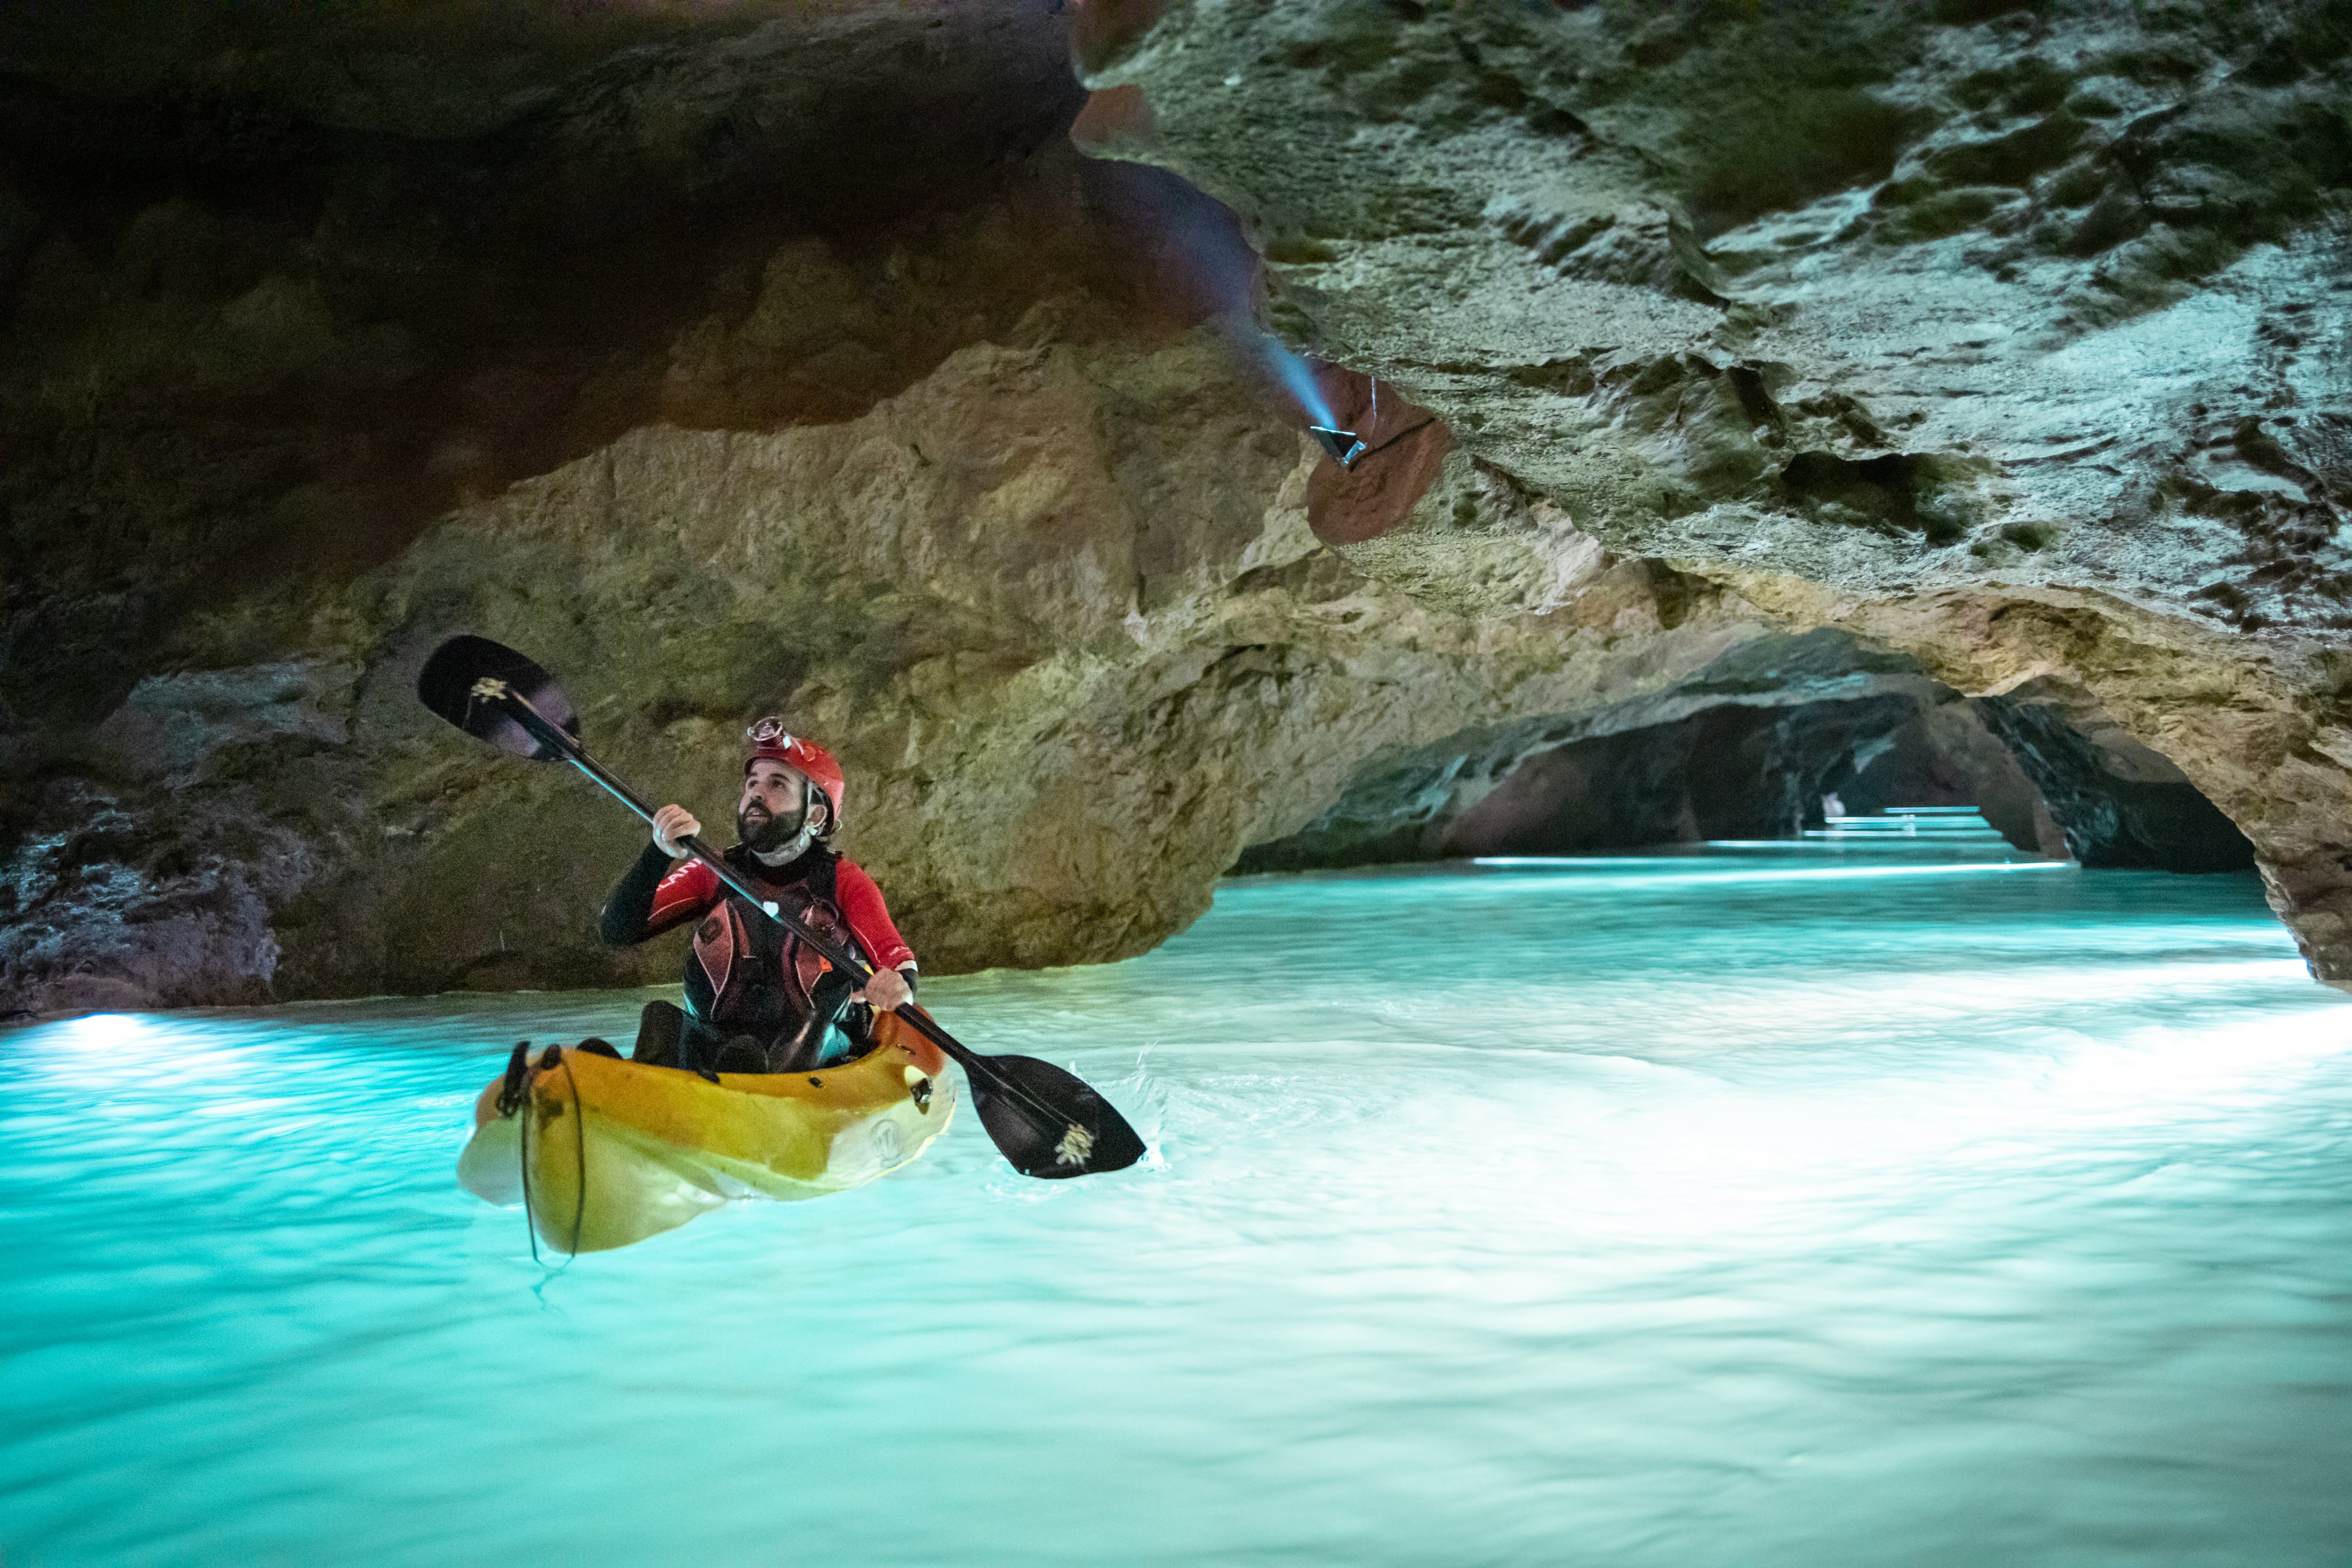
(1761, 1209)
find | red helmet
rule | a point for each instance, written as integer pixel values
(813, 762)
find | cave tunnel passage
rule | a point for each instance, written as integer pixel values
(1728, 772)
(1742, 772)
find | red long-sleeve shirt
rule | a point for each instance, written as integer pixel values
(693, 889)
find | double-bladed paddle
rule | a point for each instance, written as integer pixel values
(1046, 1122)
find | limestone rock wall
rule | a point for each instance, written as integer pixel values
(768, 357)
(1055, 602)
(2118, 803)
(1618, 775)
(2013, 336)
(1058, 608)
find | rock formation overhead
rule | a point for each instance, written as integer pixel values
(659, 366)
(1976, 397)
(2018, 337)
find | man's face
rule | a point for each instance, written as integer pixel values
(770, 790)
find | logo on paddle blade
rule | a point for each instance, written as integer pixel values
(1076, 1147)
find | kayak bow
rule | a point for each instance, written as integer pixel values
(608, 1152)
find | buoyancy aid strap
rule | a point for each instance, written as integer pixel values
(742, 954)
(721, 944)
(805, 967)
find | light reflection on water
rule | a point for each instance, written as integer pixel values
(1666, 1212)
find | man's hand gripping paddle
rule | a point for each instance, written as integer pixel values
(1047, 1121)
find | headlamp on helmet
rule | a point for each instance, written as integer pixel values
(771, 741)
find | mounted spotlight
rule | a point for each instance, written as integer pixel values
(1344, 445)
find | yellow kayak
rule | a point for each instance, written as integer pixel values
(657, 1145)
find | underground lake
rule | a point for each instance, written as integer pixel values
(1767, 1205)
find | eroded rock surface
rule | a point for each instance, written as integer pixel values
(658, 365)
(1057, 608)
(772, 358)
(2120, 804)
(2018, 337)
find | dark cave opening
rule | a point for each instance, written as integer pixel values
(1742, 771)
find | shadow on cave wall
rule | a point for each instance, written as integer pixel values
(1741, 771)
(2120, 804)
(281, 286)
(262, 320)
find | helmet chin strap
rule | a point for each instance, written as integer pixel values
(797, 845)
(793, 850)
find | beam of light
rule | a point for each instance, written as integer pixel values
(1210, 252)
(104, 1031)
(111, 1052)
(1548, 863)
(1899, 843)
(1289, 370)
(1672, 1154)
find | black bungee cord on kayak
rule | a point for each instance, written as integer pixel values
(1047, 1121)
(511, 1094)
(580, 1148)
(512, 1097)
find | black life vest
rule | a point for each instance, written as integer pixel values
(749, 975)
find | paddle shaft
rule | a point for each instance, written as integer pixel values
(848, 962)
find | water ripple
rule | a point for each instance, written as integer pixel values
(1680, 1212)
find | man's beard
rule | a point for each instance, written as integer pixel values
(763, 835)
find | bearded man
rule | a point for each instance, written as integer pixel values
(756, 999)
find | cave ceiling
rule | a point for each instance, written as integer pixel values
(811, 358)
(2020, 336)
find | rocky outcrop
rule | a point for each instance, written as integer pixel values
(770, 358)
(1680, 763)
(288, 288)
(1057, 608)
(744, 359)
(2011, 336)
(973, 497)
(1947, 754)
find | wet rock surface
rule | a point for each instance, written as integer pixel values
(925, 448)
(2014, 337)
(757, 358)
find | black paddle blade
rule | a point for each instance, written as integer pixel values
(1047, 1122)
(465, 679)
